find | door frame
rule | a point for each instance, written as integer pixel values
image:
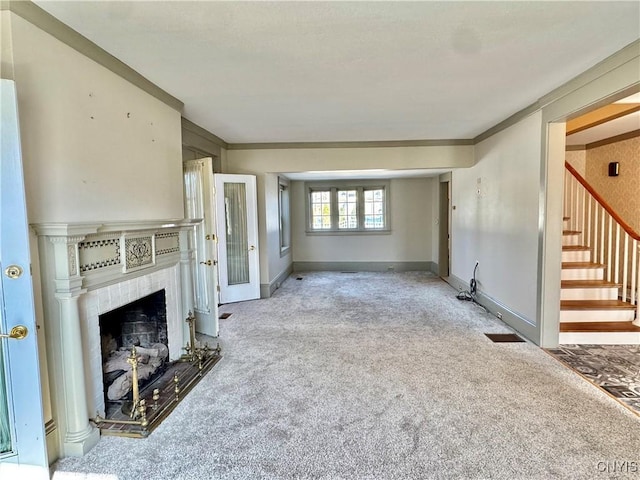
(444, 231)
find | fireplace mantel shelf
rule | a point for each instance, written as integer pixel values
(60, 229)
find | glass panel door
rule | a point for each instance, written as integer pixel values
(235, 205)
(199, 203)
(237, 234)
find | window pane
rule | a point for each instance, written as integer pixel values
(374, 208)
(285, 217)
(347, 209)
(321, 210)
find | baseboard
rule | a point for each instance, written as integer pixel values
(267, 289)
(363, 266)
(516, 321)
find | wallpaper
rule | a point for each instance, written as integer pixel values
(621, 192)
(577, 159)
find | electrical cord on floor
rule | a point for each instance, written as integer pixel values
(469, 295)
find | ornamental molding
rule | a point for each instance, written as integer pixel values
(139, 252)
(100, 253)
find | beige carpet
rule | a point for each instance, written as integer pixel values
(376, 376)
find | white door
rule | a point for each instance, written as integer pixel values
(238, 260)
(23, 451)
(200, 203)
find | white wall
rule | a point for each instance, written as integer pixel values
(410, 240)
(361, 158)
(498, 227)
(95, 147)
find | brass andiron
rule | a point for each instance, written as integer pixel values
(191, 344)
(133, 361)
(194, 353)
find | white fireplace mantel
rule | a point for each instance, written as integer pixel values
(88, 269)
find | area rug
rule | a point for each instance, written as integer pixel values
(613, 368)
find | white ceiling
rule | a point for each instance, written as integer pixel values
(625, 124)
(354, 71)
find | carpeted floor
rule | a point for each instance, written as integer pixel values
(376, 376)
(613, 368)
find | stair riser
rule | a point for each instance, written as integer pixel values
(596, 315)
(571, 240)
(576, 256)
(599, 338)
(589, 293)
(582, 274)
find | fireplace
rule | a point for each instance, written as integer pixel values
(89, 270)
(111, 299)
(141, 324)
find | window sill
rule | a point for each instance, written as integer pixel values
(341, 233)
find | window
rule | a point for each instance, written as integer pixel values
(321, 210)
(284, 210)
(341, 207)
(374, 208)
(347, 209)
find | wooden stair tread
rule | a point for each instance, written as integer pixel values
(595, 305)
(582, 265)
(566, 218)
(576, 248)
(588, 284)
(571, 232)
(598, 327)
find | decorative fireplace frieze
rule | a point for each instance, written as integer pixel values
(88, 269)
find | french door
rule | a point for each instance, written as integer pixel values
(22, 438)
(200, 203)
(237, 230)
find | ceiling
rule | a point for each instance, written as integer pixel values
(256, 72)
(605, 122)
(606, 130)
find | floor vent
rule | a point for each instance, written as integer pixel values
(504, 337)
(224, 315)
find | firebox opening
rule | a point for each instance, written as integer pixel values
(143, 324)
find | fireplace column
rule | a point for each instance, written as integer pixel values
(78, 435)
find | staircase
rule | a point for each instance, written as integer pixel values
(600, 271)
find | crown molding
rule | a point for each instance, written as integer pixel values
(354, 144)
(35, 15)
(616, 139)
(575, 148)
(203, 134)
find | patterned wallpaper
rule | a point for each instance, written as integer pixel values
(577, 159)
(621, 192)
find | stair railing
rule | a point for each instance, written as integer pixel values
(613, 242)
